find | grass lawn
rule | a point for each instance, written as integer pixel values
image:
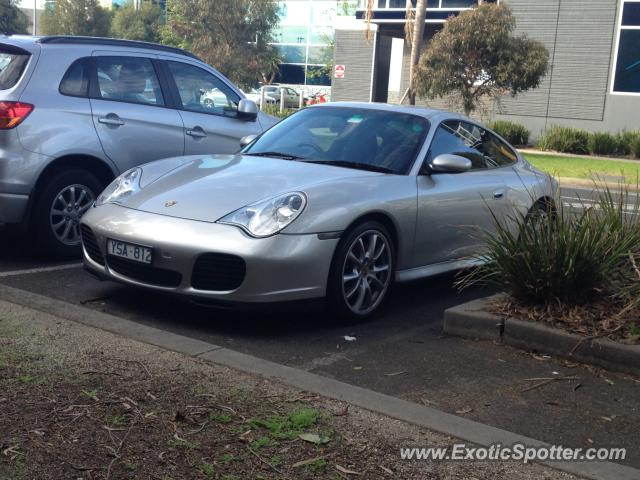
(578, 167)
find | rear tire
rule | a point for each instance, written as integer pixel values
(58, 209)
(361, 272)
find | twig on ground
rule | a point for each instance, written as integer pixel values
(546, 382)
(264, 461)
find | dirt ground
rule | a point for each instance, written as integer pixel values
(80, 403)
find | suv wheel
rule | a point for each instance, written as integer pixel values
(58, 209)
(361, 271)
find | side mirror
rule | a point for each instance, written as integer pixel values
(449, 163)
(246, 140)
(247, 110)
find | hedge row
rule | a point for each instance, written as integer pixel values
(574, 140)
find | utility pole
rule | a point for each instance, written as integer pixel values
(35, 8)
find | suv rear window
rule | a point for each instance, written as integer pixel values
(12, 64)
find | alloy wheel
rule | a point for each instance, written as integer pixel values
(68, 207)
(366, 272)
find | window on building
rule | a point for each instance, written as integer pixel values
(627, 72)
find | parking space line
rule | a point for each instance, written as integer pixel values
(30, 271)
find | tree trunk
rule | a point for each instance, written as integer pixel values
(416, 44)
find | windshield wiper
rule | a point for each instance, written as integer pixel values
(348, 164)
(285, 156)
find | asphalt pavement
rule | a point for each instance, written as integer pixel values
(401, 352)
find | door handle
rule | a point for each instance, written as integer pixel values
(498, 194)
(196, 132)
(111, 119)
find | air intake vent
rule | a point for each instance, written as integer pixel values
(91, 244)
(218, 272)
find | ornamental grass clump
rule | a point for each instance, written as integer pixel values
(567, 258)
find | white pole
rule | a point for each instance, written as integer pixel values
(35, 8)
(301, 98)
(281, 100)
(261, 97)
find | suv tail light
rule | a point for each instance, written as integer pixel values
(13, 113)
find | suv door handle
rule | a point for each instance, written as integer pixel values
(111, 119)
(196, 132)
(498, 194)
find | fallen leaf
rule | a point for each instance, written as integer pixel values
(395, 373)
(347, 471)
(608, 419)
(610, 382)
(349, 338)
(357, 368)
(464, 410)
(386, 470)
(314, 438)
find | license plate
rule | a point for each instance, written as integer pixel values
(129, 251)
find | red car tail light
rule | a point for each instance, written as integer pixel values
(13, 113)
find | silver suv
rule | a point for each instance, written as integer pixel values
(75, 112)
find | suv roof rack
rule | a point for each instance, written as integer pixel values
(114, 42)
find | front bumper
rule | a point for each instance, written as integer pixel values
(280, 268)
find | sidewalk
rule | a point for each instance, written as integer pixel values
(78, 402)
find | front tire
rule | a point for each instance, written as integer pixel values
(58, 209)
(361, 272)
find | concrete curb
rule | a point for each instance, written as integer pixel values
(471, 321)
(448, 424)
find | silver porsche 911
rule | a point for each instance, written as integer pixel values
(338, 201)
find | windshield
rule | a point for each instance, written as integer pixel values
(11, 67)
(350, 137)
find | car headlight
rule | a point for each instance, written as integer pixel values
(268, 217)
(125, 185)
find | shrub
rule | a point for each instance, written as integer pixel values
(602, 143)
(635, 147)
(274, 110)
(565, 139)
(514, 133)
(626, 139)
(566, 257)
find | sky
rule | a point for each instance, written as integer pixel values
(29, 3)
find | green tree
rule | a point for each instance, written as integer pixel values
(137, 24)
(76, 17)
(12, 19)
(476, 56)
(232, 35)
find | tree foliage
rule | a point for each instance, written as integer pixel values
(76, 17)
(12, 19)
(232, 35)
(137, 24)
(476, 55)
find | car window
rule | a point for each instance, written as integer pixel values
(76, 80)
(374, 138)
(458, 138)
(496, 152)
(128, 79)
(203, 92)
(11, 67)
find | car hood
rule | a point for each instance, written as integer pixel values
(206, 188)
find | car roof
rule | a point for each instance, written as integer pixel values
(429, 113)
(31, 43)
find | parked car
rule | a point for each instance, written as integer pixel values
(75, 112)
(255, 96)
(291, 97)
(338, 200)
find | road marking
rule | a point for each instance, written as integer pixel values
(30, 271)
